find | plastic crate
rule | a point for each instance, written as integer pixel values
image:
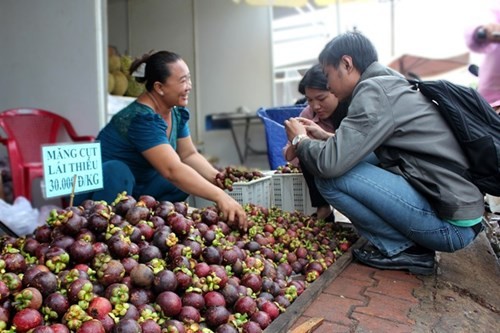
(257, 192)
(289, 192)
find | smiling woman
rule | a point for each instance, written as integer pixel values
(147, 147)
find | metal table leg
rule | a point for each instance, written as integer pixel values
(235, 139)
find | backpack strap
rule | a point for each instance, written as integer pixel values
(450, 165)
(414, 83)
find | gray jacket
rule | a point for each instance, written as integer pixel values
(399, 124)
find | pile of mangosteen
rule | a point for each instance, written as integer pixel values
(142, 265)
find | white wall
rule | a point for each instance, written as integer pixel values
(51, 57)
(53, 54)
(234, 68)
(117, 22)
(164, 25)
(227, 47)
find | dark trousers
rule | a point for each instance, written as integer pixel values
(317, 199)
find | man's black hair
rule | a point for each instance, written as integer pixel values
(353, 44)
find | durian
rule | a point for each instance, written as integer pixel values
(126, 61)
(111, 82)
(114, 63)
(134, 88)
(121, 83)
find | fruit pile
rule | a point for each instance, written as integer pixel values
(230, 175)
(288, 168)
(120, 82)
(148, 266)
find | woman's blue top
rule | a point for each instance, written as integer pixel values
(135, 129)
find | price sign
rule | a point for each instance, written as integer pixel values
(65, 163)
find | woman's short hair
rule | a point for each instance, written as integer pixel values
(313, 78)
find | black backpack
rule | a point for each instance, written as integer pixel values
(476, 126)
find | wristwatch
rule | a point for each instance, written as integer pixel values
(297, 139)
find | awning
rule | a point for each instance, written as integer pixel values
(413, 65)
(291, 3)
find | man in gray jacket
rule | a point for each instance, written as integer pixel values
(377, 169)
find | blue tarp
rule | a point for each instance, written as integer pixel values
(273, 119)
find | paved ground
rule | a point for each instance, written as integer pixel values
(463, 296)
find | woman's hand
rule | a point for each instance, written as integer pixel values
(293, 128)
(314, 131)
(232, 211)
(185, 177)
(296, 126)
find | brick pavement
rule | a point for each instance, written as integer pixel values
(463, 296)
(364, 299)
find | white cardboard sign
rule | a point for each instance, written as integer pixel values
(65, 164)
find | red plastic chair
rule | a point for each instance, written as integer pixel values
(26, 130)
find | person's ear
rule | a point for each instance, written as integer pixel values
(157, 88)
(347, 63)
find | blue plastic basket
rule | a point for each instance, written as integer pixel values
(273, 119)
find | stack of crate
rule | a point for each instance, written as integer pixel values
(289, 192)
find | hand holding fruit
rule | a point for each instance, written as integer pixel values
(231, 211)
(314, 131)
(293, 128)
(288, 168)
(223, 181)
